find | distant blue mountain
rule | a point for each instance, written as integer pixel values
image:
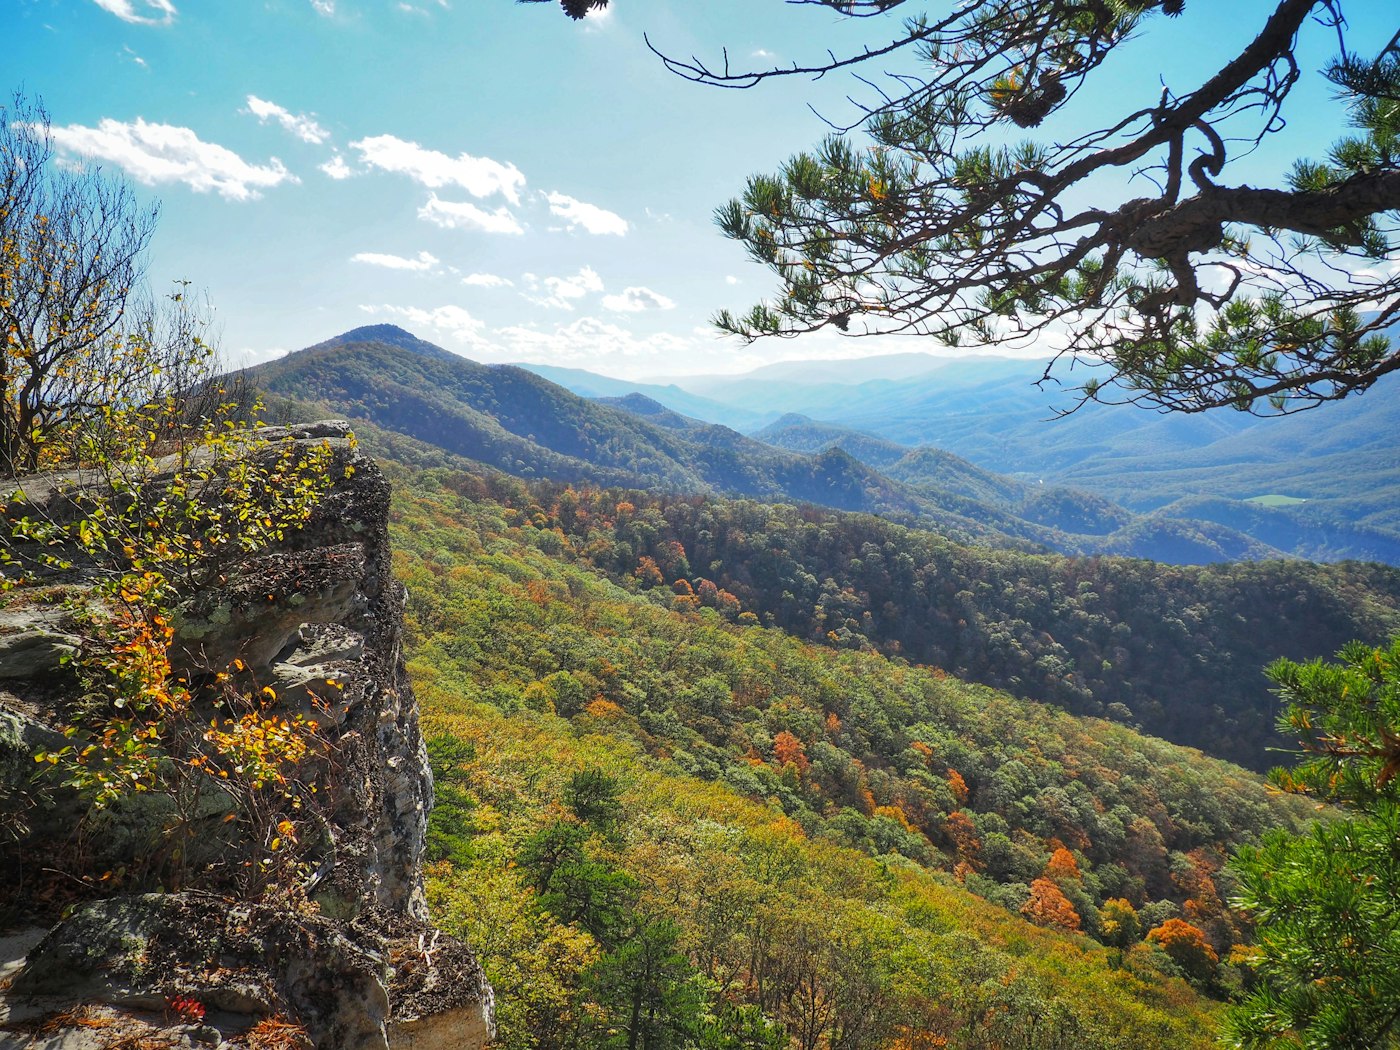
(590, 384)
(517, 421)
(1342, 458)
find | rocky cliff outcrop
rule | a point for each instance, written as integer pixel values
(348, 960)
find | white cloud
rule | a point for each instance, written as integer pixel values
(592, 218)
(301, 125)
(637, 300)
(134, 57)
(324, 7)
(140, 12)
(479, 176)
(159, 153)
(585, 339)
(463, 215)
(561, 293)
(487, 280)
(337, 169)
(450, 319)
(424, 262)
(589, 339)
(731, 279)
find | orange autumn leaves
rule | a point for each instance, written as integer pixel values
(1048, 906)
(789, 749)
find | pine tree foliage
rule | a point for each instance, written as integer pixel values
(1126, 240)
(575, 9)
(1328, 903)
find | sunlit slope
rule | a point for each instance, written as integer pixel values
(740, 747)
(1178, 650)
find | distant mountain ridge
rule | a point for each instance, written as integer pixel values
(516, 421)
(593, 385)
(1341, 458)
(1319, 534)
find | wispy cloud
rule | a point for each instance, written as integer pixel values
(324, 7)
(463, 215)
(561, 293)
(450, 319)
(162, 153)
(637, 300)
(581, 339)
(479, 176)
(592, 218)
(598, 17)
(424, 262)
(140, 12)
(487, 280)
(302, 125)
(588, 339)
(126, 50)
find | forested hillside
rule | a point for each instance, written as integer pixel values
(1202, 496)
(646, 794)
(743, 766)
(1176, 650)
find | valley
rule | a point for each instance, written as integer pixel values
(816, 644)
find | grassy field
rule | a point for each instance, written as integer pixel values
(1273, 499)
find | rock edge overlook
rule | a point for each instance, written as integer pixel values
(365, 968)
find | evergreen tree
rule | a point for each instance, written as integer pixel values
(1328, 902)
(1191, 290)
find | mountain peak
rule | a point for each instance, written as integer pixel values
(392, 335)
(791, 419)
(641, 404)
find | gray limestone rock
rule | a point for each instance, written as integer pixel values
(319, 619)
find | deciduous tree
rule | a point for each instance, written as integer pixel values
(1188, 948)
(1118, 923)
(1050, 907)
(78, 330)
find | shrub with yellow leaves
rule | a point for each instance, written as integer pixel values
(157, 508)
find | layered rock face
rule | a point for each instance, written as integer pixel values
(353, 960)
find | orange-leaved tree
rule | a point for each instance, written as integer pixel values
(1188, 948)
(1048, 906)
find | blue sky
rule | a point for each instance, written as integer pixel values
(493, 177)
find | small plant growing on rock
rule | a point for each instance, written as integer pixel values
(184, 1009)
(156, 507)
